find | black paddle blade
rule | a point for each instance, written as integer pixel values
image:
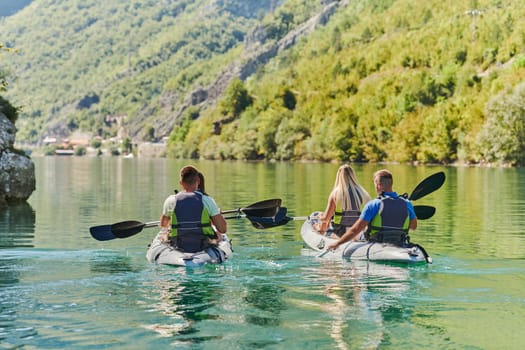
(102, 233)
(126, 229)
(428, 185)
(262, 224)
(278, 219)
(266, 208)
(424, 212)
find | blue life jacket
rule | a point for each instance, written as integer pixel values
(190, 223)
(392, 216)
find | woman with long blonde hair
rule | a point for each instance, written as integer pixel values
(345, 201)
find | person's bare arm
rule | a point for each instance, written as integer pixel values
(413, 224)
(220, 224)
(165, 221)
(165, 227)
(326, 216)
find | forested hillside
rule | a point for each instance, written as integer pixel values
(424, 81)
(382, 80)
(96, 65)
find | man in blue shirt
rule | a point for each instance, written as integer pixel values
(388, 212)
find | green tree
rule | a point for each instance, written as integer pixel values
(236, 99)
(6, 107)
(126, 144)
(502, 138)
(149, 133)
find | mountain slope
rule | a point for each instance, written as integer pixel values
(395, 80)
(81, 63)
(385, 81)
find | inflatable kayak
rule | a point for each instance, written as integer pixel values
(361, 250)
(163, 253)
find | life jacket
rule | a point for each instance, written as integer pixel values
(190, 223)
(347, 218)
(392, 216)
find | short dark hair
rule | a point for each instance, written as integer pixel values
(384, 177)
(189, 175)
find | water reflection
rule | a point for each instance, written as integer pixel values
(17, 226)
(110, 263)
(7, 309)
(266, 298)
(363, 298)
(471, 297)
(188, 299)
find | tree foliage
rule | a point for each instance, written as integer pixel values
(235, 100)
(502, 136)
(396, 80)
(81, 61)
(6, 108)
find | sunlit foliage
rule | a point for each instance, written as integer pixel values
(398, 80)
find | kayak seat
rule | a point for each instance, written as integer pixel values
(395, 237)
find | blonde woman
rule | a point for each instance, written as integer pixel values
(344, 203)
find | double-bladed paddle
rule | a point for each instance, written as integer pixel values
(423, 212)
(125, 229)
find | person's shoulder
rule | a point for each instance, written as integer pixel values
(373, 203)
(403, 196)
(171, 197)
(208, 199)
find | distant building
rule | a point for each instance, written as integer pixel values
(49, 140)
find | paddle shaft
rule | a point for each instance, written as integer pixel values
(424, 211)
(151, 224)
(323, 253)
(157, 223)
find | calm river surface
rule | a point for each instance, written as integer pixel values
(60, 288)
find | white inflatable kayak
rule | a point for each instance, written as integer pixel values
(362, 250)
(162, 253)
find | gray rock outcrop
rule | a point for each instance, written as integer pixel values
(17, 171)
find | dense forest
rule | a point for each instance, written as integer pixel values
(381, 80)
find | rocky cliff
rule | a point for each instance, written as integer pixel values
(17, 171)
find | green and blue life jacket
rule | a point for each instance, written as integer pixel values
(190, 223)
(392, 216)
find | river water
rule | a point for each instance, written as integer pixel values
(60, 288)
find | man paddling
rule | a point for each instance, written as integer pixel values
(188, 215)
(387, 215)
